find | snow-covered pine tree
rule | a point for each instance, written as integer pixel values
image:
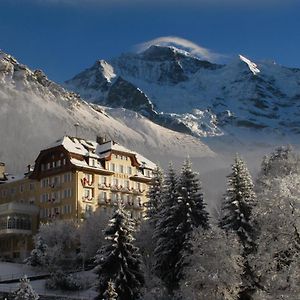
(155, 195)
(119, 260)
(110, 293)
(238, 204)
(191, 213)
(183, 211)
(191, 200)
(237, 209)
(25, 291)
(38, 256)
(166, 251)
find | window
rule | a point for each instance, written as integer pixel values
(129, 170)
(67, 177)
(67, 193)
(55, 180)
(64, 161)
(103, 179)
(31, 186)
(121, 169)
(13, 191)
(55, 196)
(67, 209)
(112, 167)
(127, 184)
(48, 166)
(88, 193)
(45, 182)
(89, 177)
(115, 181)
(21, 188)
(44, 197)
(103, 195)
(56, 211)
(58, 163)
(88, 209)
(93, 162)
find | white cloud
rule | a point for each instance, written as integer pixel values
(184, 44)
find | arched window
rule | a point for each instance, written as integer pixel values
(9, 222)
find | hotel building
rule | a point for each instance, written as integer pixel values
(71, 179)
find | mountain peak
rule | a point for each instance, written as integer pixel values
(106, 69)
(163, 53)
(252, 66)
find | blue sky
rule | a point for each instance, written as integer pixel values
(63, 37)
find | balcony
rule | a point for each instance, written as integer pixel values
(21, 208)
(104, 186)
(8, 231)
(88, 199)
(86, 182)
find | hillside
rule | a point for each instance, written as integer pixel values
(35, 111)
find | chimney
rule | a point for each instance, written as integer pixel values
(2, 171)
(101, 139)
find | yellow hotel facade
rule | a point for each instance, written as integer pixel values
(71, 179)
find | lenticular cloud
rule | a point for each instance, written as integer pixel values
(183, 44)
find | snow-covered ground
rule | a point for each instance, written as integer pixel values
(14, 271)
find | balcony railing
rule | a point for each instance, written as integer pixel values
(137, 204)
(15, 231)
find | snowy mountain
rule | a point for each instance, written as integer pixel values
(35, 111)
(181, 92)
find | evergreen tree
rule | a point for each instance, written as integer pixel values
(119, 260)
(183, 211)
(25, 291)
(38, 256)
(166, 251)
(238, 204)
(155, 195)
(237, 216)
(110, 293)
(190, 198)
(191, 213)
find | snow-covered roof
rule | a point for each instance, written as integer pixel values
(92, 149)
(83, 164)
(13, 178)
